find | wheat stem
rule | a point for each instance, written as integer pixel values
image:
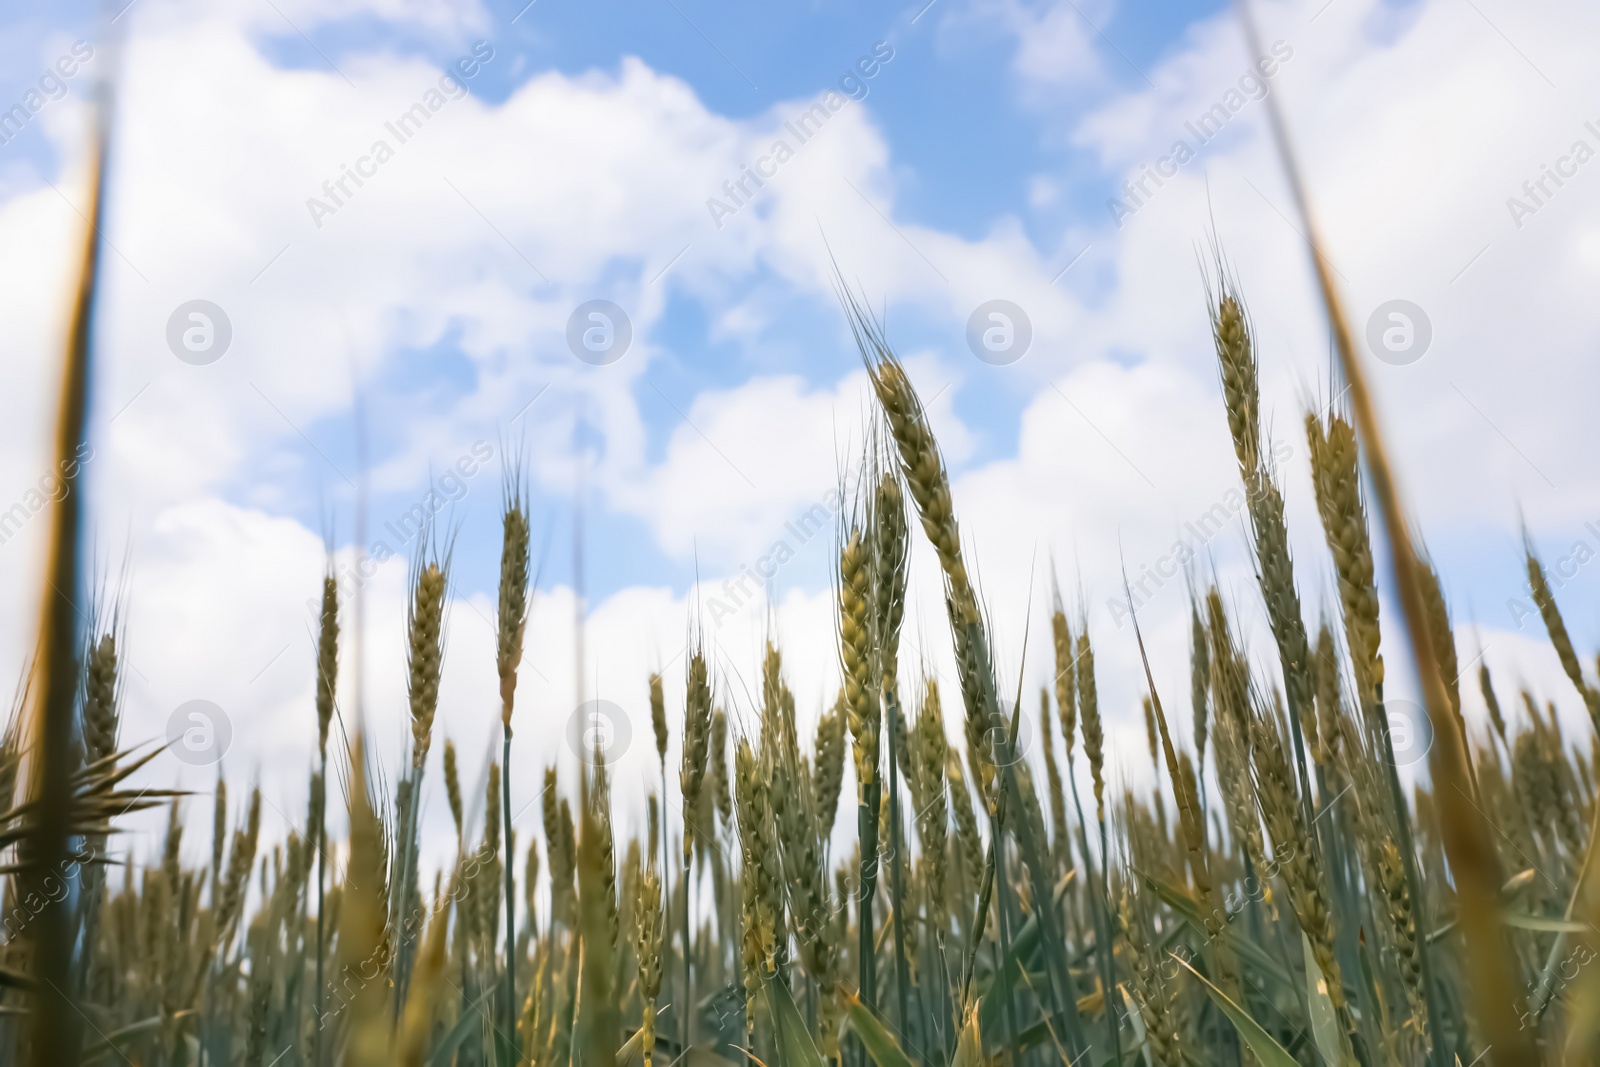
(1467, 839)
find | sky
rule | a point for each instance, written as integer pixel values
(436, 245)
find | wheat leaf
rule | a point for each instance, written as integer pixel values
(1261, 1043)
(795, 1047)
(1324, 1023)
(881, 1045)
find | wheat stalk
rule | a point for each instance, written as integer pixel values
(1199, 679)
(855, 655)
(650, 930)
(1058, 797)
(762, 875)
(364, 946)
(327, 686)
(1238, 367)
(54, 1036)
(1556, 627)
(1491, 702)
(828, 764)
(696, 748)
(1291, 841)
(1152, 997)
(424, 656)
(1335, 474)
(1093, 733)
(1467, 838)
(929, 749)
(691, 777)
(511, 623)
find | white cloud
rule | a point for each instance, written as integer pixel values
(1055, 42)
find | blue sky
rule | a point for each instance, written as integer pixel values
(977, 166)
(964, 141)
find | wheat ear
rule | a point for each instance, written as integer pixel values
(650, 931)
(425, 656)
(1556, 627)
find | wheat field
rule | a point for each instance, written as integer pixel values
(1280, 895)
